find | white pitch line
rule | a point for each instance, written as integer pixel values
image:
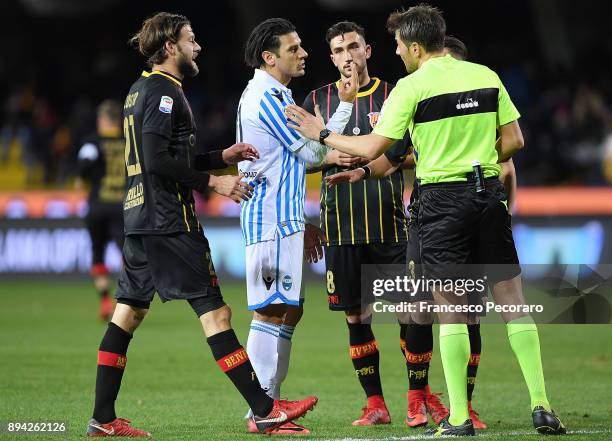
(479, 435)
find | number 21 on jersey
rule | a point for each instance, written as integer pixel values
(130, 140)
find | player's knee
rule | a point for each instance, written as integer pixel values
(473, 319)
(293, 315)
(223, 317)
(272, 313)
(217, 320)
(128, 317)
(355, 317)
(422, 318)
(452, 318)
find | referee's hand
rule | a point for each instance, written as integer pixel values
(231, 187)
(336, 157)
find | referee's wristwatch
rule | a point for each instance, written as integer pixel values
(324, 134)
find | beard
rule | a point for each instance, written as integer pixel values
(346, 73)
(187, 67)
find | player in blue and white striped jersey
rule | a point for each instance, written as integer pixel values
(272, 220)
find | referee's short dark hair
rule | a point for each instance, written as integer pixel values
(422, 24)
(456, 47)
(155, 32)
(265, 37)
(343, 27)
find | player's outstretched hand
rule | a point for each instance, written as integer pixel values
(307, 124)
(349, 86)
(340, 159)
(351, 176)
(313, 243)
(239, 152)
(231, 187)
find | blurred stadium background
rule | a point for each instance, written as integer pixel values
(62, 57)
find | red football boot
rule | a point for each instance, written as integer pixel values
(117, 427)
(435, 407)
(107, 307)
(283, 412)
(417, 410)
(372, 416)
(478, 424)
(289, 428)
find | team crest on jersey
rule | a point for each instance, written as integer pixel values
(373, 117)
(165, 104)
(287, 282)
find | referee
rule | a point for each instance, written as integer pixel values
(452, 109)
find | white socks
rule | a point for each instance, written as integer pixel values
(283, 352)
(261, 348)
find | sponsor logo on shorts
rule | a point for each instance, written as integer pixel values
(333, 299)
(268, 280)
(287, 282)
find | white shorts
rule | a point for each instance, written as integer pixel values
(274, 271)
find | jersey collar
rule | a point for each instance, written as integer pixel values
(263, 77)
(163, 74)
(374, 83)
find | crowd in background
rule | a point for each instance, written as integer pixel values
(48, 101)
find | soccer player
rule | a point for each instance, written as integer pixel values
(417, 336)
(272, 220)
(453, 109)
(364, 223)
(101, 165)
(165, 250)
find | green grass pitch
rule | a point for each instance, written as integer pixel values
(49, 337)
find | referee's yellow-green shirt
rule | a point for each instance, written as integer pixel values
(452, 109)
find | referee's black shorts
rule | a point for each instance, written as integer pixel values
(176, 266)
(415, 264)
(459, 226)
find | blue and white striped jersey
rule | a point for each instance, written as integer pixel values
(279, 175)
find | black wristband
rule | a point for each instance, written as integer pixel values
(323, 135)
(367, 171)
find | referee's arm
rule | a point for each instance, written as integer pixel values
(510, 140)
(369, 146)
